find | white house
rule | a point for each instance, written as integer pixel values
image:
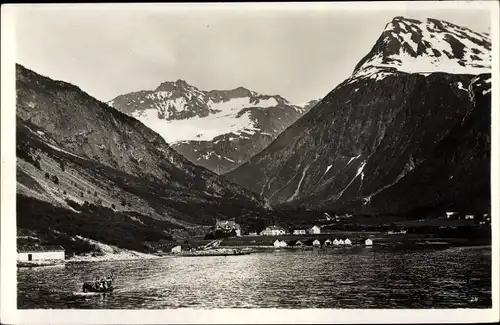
(347, 241)
(299, 232)
(314, 230)
(368, 242)
(469, 216)
(176, 249)
(273, 231)
(38, 253)
(341, 242)
(449, 215)
(299, 243)
(327, 242)
(335, 242)
(316, 243)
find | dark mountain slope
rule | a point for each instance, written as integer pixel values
(381, 125)
(72, 148)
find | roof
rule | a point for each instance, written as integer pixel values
(275, 228)
(35, 248)
(229, 223)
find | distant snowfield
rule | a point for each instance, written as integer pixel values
(197, 128)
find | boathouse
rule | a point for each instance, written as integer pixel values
(347, 241)
(176, 249)
(341, 242)
(278, 243)
(316, 243)
(40, 253)
(368, 242)
(327, 242)
(335, 242)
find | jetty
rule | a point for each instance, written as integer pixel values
(215, 252)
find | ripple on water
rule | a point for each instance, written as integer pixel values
(354, 278)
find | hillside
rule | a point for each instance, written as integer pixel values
(76, 155)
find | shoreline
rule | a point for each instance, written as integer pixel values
(133, 256)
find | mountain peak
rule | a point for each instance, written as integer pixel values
(415, 46)
(179, 84)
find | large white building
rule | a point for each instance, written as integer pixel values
(40, 253)
(273, 231)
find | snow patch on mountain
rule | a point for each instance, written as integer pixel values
(412, 46)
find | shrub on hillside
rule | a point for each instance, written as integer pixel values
(94, 222)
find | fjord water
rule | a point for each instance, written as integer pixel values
(358, 277)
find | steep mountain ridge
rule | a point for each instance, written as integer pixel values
(380, 128)
(217, 129)
(76, 153)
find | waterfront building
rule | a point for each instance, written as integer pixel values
(279, 243)
(335, 242)
(327, 242)
(316, 243)
(368, 242)
(341, 242)
(299, 232)
(40, 253)
(176, 249)
(347, 241)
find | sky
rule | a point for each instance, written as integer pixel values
(298, 53)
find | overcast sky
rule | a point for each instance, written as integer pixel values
(299, 54)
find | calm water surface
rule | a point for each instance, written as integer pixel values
(325, 278)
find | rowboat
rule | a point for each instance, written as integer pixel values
(99, 285)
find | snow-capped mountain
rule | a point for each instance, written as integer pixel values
(217, 129)
(407, 131)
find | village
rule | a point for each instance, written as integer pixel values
(226, 237)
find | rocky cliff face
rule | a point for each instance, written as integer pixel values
(217, 129)
(73, 150)
(416, 107)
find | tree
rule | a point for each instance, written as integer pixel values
(113, 206)
(124, 203)
(81, 193)
(47, 175)
(61, 164)
(55, 179)
(95, 193)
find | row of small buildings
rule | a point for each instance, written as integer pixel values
(318, 243)
(228, 226)
(279, 231)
